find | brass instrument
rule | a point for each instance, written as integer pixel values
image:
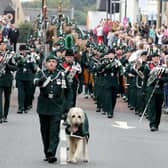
(155, 73)
(6, 57)
(136, 66)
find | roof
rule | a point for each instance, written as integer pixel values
(9, 8)
(4, 4)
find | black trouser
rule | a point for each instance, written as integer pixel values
(7, 93)
(132, 92)
(155, 109)
(50, 128)
(121, 87)
(110, 99)
(14, 43)
(99, 95)
(24, 94)
(140, 101)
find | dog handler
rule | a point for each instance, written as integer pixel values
(55, 95)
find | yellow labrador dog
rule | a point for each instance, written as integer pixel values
(78, 131)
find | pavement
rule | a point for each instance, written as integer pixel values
(114, 143)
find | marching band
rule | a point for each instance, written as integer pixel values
(132, 67)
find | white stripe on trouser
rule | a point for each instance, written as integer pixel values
(63, 149)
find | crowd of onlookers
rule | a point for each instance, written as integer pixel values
(105, 29)
(109, 33)
(9, 34)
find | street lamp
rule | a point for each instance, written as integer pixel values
(107, 9)
(160, 14)
(125, 8)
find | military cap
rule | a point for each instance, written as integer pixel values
(155, 55)
(22, 47)
(51, 56)
(144, 53)
(69, 52)
(111, 51)
(101, 48)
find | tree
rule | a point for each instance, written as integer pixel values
(25, 30)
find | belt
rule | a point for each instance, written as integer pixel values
(49, 95)
(109, 74)
(24, 70)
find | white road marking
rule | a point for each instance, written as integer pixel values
(63, 149)
(122, 125)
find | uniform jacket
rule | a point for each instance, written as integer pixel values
(25, 69)
(7, 77)
(53, 99)
(111, 75)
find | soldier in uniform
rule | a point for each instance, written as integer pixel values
(6, 78)
(72, 70)
(139, 69)
(154, 83)
(24, 79)
(85, 69)
(111, 67)
(55, 95)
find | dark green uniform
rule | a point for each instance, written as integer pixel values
(110, 80)
(95, 67)
(53, 100)
(131, 81)
(6, 79)
(155, 105)
(73, 71)
(141, 99)
(24, 78)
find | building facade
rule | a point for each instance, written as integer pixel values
(14, 5)
(139, 10)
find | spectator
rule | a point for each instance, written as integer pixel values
(110, 38)
(13, 36)
(160, 38)
(99, 34)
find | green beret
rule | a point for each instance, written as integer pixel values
(155, 55)
(51, 56)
